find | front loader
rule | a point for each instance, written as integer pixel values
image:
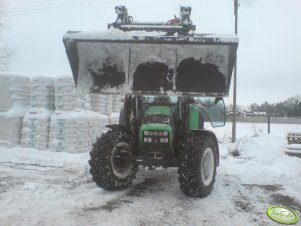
(173, 81)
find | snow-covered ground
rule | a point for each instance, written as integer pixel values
(55, 188)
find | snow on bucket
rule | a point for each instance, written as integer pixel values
(117, 62)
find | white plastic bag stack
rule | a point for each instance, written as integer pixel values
(84, 101)
(35, 131)
(65, 94)
(69, 131)
(117, 103)
(10, 130)
(73, 128)
(5, 94)
(97, 123)
(14, 102)
(14, 91)
(42, 93)
(101, 103)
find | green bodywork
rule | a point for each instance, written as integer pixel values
(194, 117)
(157, 110)
(194, 121)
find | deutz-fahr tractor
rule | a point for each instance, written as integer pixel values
(173, 81)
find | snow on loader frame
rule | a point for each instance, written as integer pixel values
(173, 80)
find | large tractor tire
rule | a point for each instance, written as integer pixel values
(198, 162)
(109, 168)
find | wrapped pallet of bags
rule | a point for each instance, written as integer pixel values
(10, 129)
(14, 94)
(84, 101)
(15, 90)
(101, 103)
(69, 131)
(65, 94)
(35, 131)
(5, 93)
(97, 123)
(42, 93)
(117, 103)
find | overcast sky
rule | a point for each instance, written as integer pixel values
(269, 55)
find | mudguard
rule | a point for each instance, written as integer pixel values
(211, 134)
(117, 126)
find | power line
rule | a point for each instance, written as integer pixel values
(56, 8)
(51, 6)
(38, 4)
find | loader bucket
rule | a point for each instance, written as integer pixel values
(117, 62)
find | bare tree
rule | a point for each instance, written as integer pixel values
(5, 53)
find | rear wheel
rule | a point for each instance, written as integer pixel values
(198, 163)
(109, 162)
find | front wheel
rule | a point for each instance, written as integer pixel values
(109, 162)
(198, 163)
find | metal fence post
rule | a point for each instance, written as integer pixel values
(269, 122)
(235, 78)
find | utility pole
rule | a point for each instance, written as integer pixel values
(235, 78)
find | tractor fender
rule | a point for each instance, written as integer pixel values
(202, 132)
(118, 126)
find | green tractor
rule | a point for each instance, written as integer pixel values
(173, 81)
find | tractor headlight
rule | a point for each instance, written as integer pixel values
(164, 140)
(155, 133)
(147, 139)
(158, 136)
(162, 133)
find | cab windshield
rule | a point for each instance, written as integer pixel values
(159, 99)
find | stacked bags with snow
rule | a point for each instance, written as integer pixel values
(84, 101)
(65, 94)
(14, 94)
(42, 93)
(101, 103)
(97, 123)
(72, 127)
(35, 131)
(75, 131)
(117, 103)
(69, 131)
(10, 129)
(106, 104)
(14, 91)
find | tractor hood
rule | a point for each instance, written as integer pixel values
(139, 62)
